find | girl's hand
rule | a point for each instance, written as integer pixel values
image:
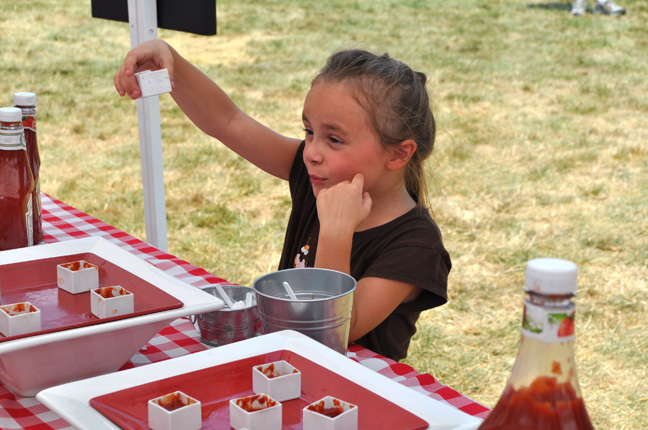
(340, 210)
(342, 207)
(151, 55)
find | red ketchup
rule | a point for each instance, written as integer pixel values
(75, 266)
(542, 392)
(256, 402)
(27, 103)
(16, 183)
(545, 404)
(272, 372)
(331, 412)
(18, 309)
(174, 401)
(269, 371)
(109, 292)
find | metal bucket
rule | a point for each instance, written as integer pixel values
(226, 325)
(322, 311)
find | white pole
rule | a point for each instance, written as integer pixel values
(142, 17)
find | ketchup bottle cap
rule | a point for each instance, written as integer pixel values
(551, 276)
(24, 99)
(10, 114)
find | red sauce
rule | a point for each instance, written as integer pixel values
(546, 404)
(255, 403)
(270, 371)
(76, 266)
(109, 292)
(332, 412)
(174, 401)
(18, 308)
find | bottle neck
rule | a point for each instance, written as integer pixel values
(550, 300)
(27, 110)
(547, 343)
(12, 136)
(6, 125)
(549, 318)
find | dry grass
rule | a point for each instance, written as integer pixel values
(542, 151)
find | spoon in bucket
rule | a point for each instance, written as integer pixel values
(225, 297)
(290, 291)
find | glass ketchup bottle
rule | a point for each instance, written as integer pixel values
(16, 183)
(27, 102)
(542, 392)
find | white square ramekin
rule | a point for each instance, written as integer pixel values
(174, 411)
(153, 82)
(19, 318)
(280, 380)
(108, 302)
(77, 277)
(258, 412)
(330, 413)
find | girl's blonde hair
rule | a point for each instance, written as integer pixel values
(397, 102)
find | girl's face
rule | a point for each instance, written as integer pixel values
(340, 141)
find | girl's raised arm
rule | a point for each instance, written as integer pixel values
(209, 107)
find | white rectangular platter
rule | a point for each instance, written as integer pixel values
(30, 364)
(71, 401)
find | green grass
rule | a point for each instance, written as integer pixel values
(542, 151)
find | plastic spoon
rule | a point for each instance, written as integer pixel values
(290, 291)
(238, 305)
(225, 297)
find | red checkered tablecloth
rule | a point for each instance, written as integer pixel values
(63, 222)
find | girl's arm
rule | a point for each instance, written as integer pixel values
(209, 107)
(374, 298)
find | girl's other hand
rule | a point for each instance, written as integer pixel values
(151, 55)
(342, 207)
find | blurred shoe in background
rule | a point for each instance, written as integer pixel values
(578, 8)
(608, 7)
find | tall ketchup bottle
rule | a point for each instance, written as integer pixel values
(27, 103)
(16, 183)
(542, 392)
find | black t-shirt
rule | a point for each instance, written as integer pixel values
(407, 249)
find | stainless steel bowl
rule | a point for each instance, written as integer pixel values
(322, 311)
(229, 325)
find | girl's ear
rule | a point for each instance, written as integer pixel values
(401, 154)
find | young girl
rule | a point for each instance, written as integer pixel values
(356, 180)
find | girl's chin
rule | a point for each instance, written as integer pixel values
(316, 190)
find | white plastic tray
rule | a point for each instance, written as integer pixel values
(71, 401)
(30, 364)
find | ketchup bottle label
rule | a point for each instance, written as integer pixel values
(29, 122)
(547, 326)
(37, 203)
(29, 220)
(12, 140)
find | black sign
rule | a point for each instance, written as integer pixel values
(191, 16)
